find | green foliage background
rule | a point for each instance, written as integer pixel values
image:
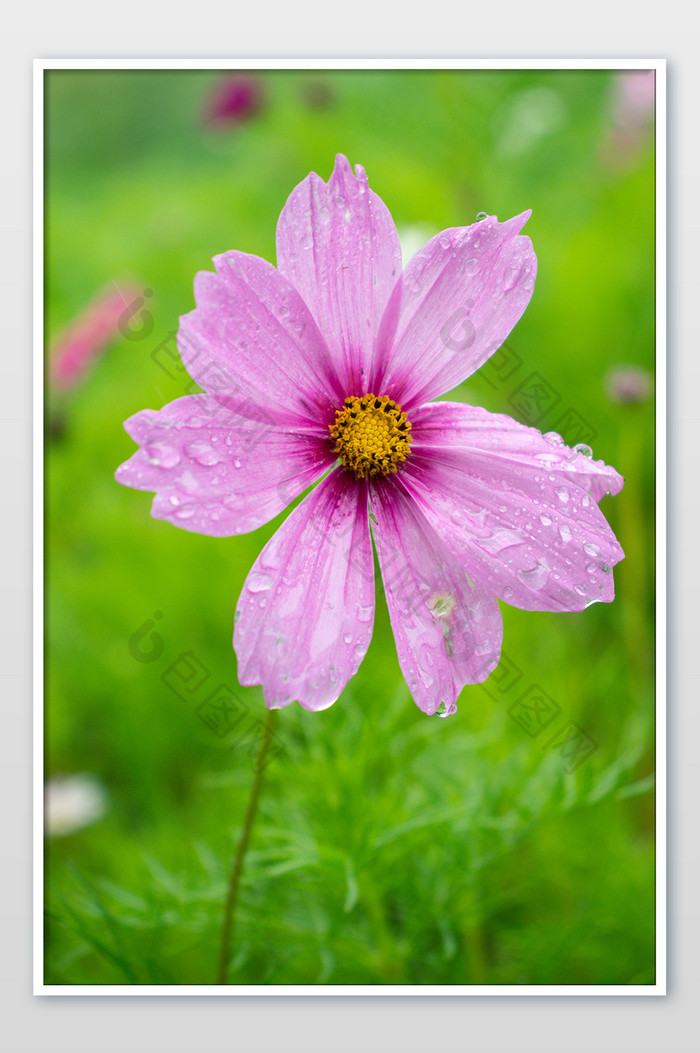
(390, 847)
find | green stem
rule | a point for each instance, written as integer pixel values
(234, 882)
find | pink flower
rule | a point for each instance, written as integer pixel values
(631, 116)
(324, 369)
(235, 98)
(76, 349)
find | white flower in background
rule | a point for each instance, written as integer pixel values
(72, 802)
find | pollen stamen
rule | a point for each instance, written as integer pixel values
(372, 435)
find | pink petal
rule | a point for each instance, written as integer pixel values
(304, 618)
(252, 342)
(215, 472)
(456, 302)
(337, 243)
(448, 631)
(518, 508)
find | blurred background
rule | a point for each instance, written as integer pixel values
(509, 844)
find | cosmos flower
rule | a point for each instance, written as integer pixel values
(631, 116)
(75, 351)
(629, 384)
(325, 369)
(234, 99)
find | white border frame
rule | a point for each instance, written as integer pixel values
(39, 987)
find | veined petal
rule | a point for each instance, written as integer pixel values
(304, 618)
(215, 472)
(456, 302)
(337, 243)
(252, 342)
(448, 631)
(456, 425)
(520, 510)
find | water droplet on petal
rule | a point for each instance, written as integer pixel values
(201, 452)
(162, 455)
(510, 277)
(472, 265)
(581, 447)
(591, 549)
(545, 520)
(535, 577)
(564, 532)
(236, 462)
(562, 493)
(480, 216)
(185, 512)
(258, 582)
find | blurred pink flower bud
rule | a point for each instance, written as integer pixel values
(627, 384)
(114, 312)
(631, 116)
(234, 98)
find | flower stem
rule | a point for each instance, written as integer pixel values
(234, 882)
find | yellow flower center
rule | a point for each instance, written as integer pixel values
(372, 435)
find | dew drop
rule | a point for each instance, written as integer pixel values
(562, 493)
(564, 532)
(536, 576)
(348, 638)
(591, 549)
(185, 512)
(258, 582)
(545, 520)
(581, 447)
(472, 265)
(507, 592)
(162, 455)
(202, 453)
(510, 277)
(480, 216)
(236, 462)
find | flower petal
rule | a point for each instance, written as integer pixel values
(337, 243)
(456, 302)
(448, 631)
(215, 472)
(251, 342)
(304, 618)
(517, 507)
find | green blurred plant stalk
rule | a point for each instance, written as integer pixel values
(237, 869)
